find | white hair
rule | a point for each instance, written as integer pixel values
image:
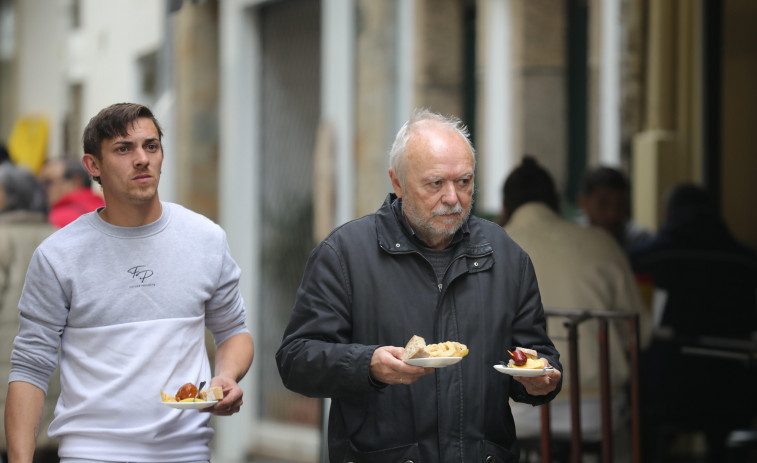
(397, 152)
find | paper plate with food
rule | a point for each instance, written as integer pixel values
(190, 397)
(440, 355)
(524, 362)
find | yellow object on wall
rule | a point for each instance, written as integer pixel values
(27, 144)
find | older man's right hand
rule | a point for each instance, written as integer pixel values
(388, 367)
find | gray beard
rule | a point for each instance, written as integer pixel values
(425, 228)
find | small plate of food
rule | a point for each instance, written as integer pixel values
(524, 362)
(190, 397)
(440, 355)
(188, 404)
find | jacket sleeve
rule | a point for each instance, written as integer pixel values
(316, 357)
(530, 330)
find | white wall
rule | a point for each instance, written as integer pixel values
(40, 63)
(102, 55)
(113, 35)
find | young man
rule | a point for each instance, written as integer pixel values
(423, 266)
(126, 293)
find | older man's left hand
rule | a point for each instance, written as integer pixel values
(540, 385)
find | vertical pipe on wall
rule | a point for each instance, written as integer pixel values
(609, 85)
(712, 99)
(577, 52)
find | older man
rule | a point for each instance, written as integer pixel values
(419, 265)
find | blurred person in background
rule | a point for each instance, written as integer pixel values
(578, 268)
(605, 200)
(121, 298)
(23, 226)
(69, 190)
(421, 265)
(705, 288)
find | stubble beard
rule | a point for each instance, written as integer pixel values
(144, 193)
(424, 225)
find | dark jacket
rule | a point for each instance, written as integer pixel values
(367, 285)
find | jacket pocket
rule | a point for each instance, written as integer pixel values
(493, 453)
(404, 454)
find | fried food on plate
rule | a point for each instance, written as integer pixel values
(417, 348)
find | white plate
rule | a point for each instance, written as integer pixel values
(434, 362)
(190, 405)
(522, 371)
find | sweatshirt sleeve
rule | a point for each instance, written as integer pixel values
(225, 314)
(317, 343)
(43, 311)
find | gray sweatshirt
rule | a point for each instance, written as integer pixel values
(128, 308)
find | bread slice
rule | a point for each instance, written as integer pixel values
(530, 353)
(211, 393)
(415, 348)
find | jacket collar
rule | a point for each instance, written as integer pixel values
(395, 234)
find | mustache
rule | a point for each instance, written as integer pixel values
(445, 210)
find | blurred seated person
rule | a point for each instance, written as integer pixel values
(578, 268)
(605, 200)
(69, 191)
(705, 286)
(698, 266)
(23, 226)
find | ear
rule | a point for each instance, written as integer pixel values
(395, 183)
(92, 164)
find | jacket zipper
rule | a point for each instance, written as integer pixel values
(440, 285)
(453, 261)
